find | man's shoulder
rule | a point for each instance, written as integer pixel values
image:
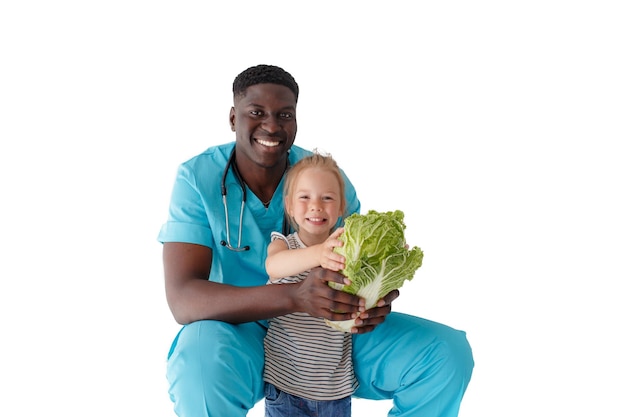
(296, 153)
(214, 155)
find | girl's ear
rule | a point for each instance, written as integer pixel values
(287, 207)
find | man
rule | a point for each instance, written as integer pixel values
(225, 204)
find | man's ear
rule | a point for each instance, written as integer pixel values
(231, 118)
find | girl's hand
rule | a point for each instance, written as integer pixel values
(328, 258)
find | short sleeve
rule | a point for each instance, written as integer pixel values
(187, 218)
(279, 236)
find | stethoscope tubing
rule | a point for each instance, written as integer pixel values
(232, 163)
(227, 244)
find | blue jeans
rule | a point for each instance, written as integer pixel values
(281, 404)
(216, 368)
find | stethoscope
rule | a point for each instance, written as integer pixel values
(226, 243)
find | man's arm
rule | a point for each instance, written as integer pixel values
(192, 297)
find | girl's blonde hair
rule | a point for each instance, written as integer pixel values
(318, 160)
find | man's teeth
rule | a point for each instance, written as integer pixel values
(268, 143)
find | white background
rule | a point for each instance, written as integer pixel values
(497, 127)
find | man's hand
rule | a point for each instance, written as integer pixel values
(369, 319)
(316, 298)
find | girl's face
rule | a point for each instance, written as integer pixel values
(315, 203)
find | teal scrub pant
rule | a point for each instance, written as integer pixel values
(216, 369)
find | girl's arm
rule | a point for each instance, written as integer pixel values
(282, 262)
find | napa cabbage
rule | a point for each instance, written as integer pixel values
(378, 259)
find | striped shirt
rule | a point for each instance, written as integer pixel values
(303, 355)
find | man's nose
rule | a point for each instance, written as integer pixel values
(272, 124)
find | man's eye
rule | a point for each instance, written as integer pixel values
(256, 112)
(286, 115)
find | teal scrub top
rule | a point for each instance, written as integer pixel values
(196, 215)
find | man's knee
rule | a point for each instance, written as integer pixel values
(218, 366)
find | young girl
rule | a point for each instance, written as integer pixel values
(308, 365)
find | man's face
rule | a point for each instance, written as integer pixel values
(264, 121)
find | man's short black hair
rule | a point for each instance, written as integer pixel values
(264, 74)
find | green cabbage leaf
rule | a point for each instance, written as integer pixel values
(377, 258)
